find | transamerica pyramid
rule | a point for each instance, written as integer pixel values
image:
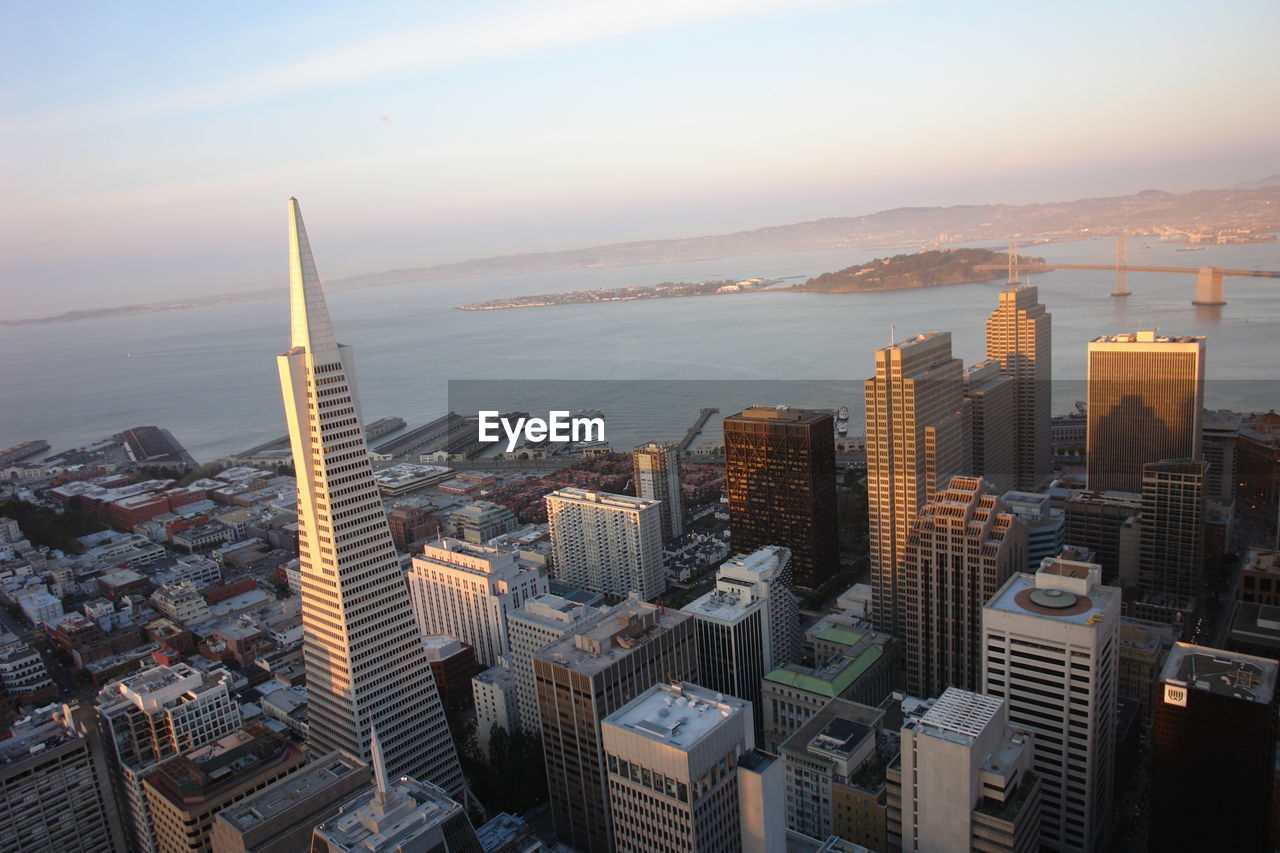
(365, 663)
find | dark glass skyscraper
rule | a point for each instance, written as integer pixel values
(781, 481)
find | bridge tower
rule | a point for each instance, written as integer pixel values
(1209, 287)
(1013, 264)
(1122, 266)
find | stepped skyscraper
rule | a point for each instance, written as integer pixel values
(1018, 337)
(365, 663)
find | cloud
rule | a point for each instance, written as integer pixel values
(533, 27)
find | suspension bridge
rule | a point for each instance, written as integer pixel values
(1208, 279)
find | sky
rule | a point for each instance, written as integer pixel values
(147, 149)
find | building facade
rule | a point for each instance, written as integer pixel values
(1171, 556)
(1146, 400)
(780, 478)
(1051, 646)
(1019, 337)
(962, 548)
(916, 442)
(536, 625)
(993, 424)
(611, 544)
(465, 591)
(656, 469)
(364, 658)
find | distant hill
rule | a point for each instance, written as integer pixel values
(920, 269)
(1261, 183)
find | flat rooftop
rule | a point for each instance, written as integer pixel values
(611, 635)
(961, 713)
(679, 716)
(1021, 595)
(1221, 672)
(786, 414)
(305, 784)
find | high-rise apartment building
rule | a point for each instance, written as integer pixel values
(1213, 751)
(993, 423)
(583, 678)
(151, 717)
(962, 548)
(672, 755)
(466, 591)
(916, 442)
(1051, 650)
(536, 625)
(780, 478)
(747, 626)
(364, 658)
(53, 787)
(1146, 401)
(187, 792)
(656, 470)
(606, 543)
(1171, 557)
(1018, 336)
(964, 779)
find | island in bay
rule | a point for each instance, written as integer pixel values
(921, 269)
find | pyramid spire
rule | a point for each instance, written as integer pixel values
(379, 765)
(309, 316)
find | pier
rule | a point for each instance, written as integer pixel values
(704, 415)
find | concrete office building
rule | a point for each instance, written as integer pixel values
(1019, 337)
(54, 787)
(465, 591)
(186, 792)
(496, 704)
(916, 442)
(1046, 525)
(536, 625)
(672, 755)
(480, 521)
(151, 717)
(400, 815)
(1213, 751)
(835, 775)
(1146, 401)
(1107, 524)
(611, 544)
(962, 548)
(964, 779)
(280, 817)
(583, 678)
(364, 659)
(780, 478)
(656, 469)
(747, 626)
(993, 424)
(1051, 645)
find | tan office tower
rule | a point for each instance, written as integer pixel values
(1146, 399)
(583, 678)
(964, 545)
(1018, 337)
(656, 469)
(916, 442)
(365, 662)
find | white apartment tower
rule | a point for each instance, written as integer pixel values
(466, 591)
(1018, 336)
(536, 625)
(153, 716)
(916, 421)
(748, 625)
(672, 755)
(607, 543)
(656, 470)
(1051, 644)
(365, 662)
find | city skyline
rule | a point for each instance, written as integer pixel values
(416, 103)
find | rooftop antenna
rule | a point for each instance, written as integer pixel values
(893, 334)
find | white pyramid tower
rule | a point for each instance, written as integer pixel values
(364, 658)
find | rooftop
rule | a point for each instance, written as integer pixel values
(606, 499)
(1056, 597)
(310, 782)
(1221, 672)
(780, 413)
(611, 635)
(44, 729)
(836, 676)
(410, 810)
(675, 714)
(960, 712)
(1148, 336)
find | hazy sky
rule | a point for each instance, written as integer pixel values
(148, 148)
